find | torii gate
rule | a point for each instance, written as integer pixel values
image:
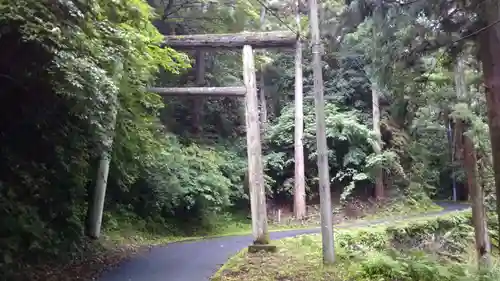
(247, 41)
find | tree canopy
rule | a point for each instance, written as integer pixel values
(178, 164)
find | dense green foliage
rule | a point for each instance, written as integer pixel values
(67, 66)
(349, 141)
(179, 164)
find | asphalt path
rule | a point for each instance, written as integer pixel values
(199, 260)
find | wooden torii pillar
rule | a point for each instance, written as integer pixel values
(246, 41)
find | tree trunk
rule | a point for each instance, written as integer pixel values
(322, 149)
(197, 110)
(300, 206)
(262, 92)
(458, 146)
(262, 97)
(483, 246)
(460, 129)
(449, 137)
(489, 42)
(379, 177)
(96, 207)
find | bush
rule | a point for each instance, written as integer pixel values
(350, 149)
(186, 184)
(75, 64)
(423, 235)
(427, 250)
(369, 254)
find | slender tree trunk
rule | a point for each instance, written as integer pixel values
(489, 42)
(379, 178)
(197, 102)
(96, 207)
(461, 91)
(322, 149)
(300, 206)
(379, 175)
(262, 97)
(483, 246)
(458, 148)
(197, 110)
(449, 137)
(232, 7)
(262, 92)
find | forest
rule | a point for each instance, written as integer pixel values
(412, 108)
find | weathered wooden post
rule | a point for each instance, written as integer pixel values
(254, 152)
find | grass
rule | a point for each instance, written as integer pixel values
(300, 258)
(405, 208)
(297, 259)
(126, 231)
(128, 236)
(291, 262)
(237, 225)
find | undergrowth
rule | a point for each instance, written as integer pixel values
(404, 206)
(432, 249)
(239, 223)
(126, 234)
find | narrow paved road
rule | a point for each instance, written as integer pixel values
(199, 260)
